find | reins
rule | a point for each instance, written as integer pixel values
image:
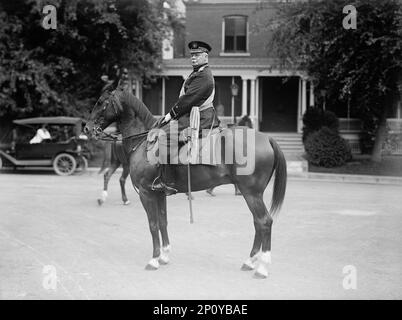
(113, 138)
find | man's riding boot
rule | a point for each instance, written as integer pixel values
(166, 180)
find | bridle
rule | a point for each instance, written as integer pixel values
(116, 105)
(99, 133)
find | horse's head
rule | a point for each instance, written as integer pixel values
(106, 110)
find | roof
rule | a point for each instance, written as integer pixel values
(49, 120)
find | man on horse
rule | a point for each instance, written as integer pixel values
(197, 91)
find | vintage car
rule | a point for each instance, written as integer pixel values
(65, 151)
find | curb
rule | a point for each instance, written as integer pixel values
(296, 174)
(349, 178)
(328, 177)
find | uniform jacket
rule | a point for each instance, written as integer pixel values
(197, 89)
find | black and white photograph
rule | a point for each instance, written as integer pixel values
(218, 151)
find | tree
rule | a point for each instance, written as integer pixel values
(357, 66)
(57, 72)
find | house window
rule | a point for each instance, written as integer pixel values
(235, 34)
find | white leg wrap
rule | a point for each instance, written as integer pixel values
(249, 263)
(266, 257)
(262, 270)
(104, 195)
(164, 257)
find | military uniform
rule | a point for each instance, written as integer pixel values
(197, 91)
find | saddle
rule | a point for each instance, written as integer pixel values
(206, 151)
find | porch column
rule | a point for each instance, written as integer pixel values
(311, 94)
(302, 103)
(252, 100)
(244, 96)
(304, 96)
(257, 104)
(163, 95)
(299, 109)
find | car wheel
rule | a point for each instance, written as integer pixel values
(82, 164)
(64, 164)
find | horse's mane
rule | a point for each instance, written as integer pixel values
(140, 109)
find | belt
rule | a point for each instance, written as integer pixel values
(207, 106)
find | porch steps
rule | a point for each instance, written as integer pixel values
(289, 142)
(293, 149)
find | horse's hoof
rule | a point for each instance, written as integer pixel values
(127, 202)
(261, 272)
(258, 275)
(100, 202)
(153, 264)
(150, 267)
(246, 267)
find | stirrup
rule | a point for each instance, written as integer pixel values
(169, 190)
(162, 187)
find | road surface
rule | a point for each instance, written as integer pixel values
(330, 241)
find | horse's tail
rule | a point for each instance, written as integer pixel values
(280, 178)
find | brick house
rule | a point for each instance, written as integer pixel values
(274, 99)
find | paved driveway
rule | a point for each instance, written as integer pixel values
(328, 235)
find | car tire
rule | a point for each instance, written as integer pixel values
(64, 164)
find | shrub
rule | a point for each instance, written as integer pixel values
(330, 120)
(314, 119)
(325, 148)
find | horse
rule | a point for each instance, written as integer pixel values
(117, 157)
(130, 112)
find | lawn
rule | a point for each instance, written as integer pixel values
(389, 166)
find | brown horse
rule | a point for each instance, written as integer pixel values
(130, 113)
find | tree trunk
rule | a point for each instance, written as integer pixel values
(379, 140)
(381, 134)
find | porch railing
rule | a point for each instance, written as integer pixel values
(350, 125)
(350, 129)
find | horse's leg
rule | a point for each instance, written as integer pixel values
(150, 202)
(249, 264)
(106, 178)
(105, 155)
(263, 224)
(125, 173)
(164, 257)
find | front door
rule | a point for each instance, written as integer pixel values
(278, 104)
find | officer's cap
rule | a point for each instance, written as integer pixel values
(199, 46)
